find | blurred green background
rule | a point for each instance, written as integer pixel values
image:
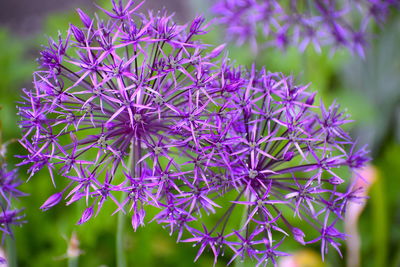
(369, 89)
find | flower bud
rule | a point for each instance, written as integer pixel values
(298, 235)
(51, 201)
(78, 34)
(87, 214)
(86, 20)
(287, 156)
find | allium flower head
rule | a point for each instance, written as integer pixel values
(136, 105)
(338, 23)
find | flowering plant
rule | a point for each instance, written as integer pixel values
(138, 107)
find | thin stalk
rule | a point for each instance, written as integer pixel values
(73, 261)
(121, 258)
(11, 252)
(239, 261)
(73, 251)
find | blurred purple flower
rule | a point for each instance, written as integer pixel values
(339, 23)
(9, 193)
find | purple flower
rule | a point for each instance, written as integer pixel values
(138, 106)
(113, 101)
(86, 20)
(9, 193)
(339, 23)
(86, 215)
(273, 155)
(51, 201)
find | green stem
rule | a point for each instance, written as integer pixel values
(379, 222)
(121, 259)
(73, 261)
(239, 261)
(11, 252)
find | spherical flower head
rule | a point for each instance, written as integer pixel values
(137, 105)
(115, 104)
(337, 24)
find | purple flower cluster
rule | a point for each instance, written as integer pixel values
(117, 103)
(138, 106)
(336, 23)
(9, 192)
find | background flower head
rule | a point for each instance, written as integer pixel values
(339, 23)
(9, 194)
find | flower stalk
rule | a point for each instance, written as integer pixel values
(121, 258)
(11, 250)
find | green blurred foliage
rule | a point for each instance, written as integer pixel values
(15, 70)
(44, 240)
